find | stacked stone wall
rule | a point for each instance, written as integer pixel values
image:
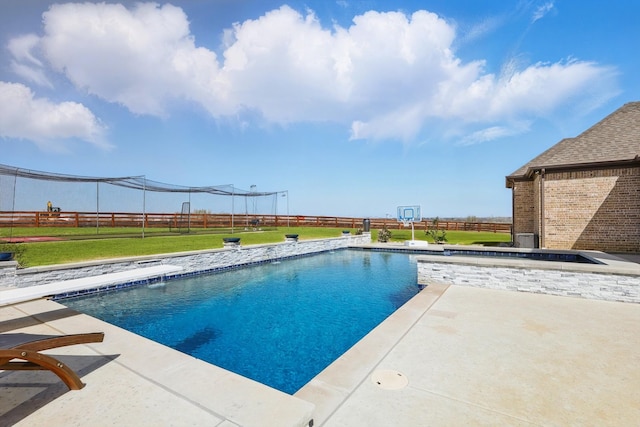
(8, 273)
(195, 262)
(609, 287)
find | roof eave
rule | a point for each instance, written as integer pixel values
(530, 171)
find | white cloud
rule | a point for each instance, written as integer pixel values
(25, 63)
(541, 11)
(387, 76)
(142, 58)
(21, 48)
(382, 67)
(22, 116)
(479, 29)
(494, 132)
(397, 125)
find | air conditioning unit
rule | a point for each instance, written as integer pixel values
(526, 240)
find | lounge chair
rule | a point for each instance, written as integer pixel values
(20, 352)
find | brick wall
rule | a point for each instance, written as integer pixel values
(593, 209)
(523, 207)
(596, 209)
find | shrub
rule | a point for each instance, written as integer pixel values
(384, 235)
(438, 236)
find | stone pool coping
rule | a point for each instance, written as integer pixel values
(110, 281)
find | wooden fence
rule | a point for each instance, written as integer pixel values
(178, 220)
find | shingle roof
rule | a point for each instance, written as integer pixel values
(616, 138)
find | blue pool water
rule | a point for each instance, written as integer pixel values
(279, 324)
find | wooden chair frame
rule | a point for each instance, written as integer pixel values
(27, 356)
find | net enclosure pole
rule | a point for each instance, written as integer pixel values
(144, 201)
(97, 207)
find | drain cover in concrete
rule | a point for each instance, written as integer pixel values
(388, 379)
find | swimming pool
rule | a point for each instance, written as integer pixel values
(279, 324)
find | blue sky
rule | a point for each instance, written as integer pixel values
(353, 107)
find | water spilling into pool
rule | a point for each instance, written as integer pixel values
(279, 324)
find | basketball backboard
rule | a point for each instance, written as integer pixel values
(407, 214)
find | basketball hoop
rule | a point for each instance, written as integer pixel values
(408, 215)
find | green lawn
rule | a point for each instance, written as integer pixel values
(84, 245)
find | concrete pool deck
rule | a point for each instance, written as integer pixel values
(476, 356)
(453, 355)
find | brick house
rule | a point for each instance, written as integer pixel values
(584, 192)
